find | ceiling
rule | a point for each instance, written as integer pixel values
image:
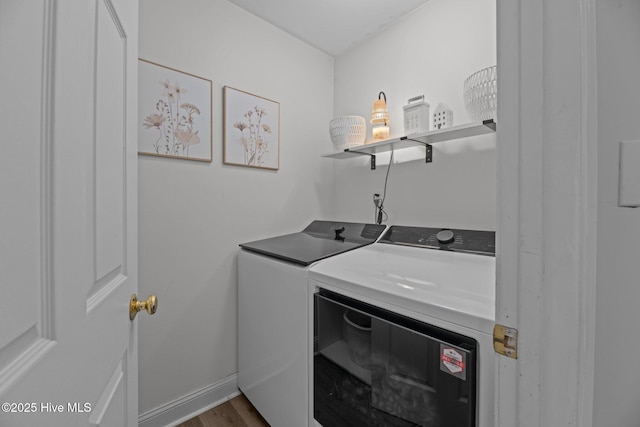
(333, 26)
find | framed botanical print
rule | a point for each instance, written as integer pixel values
(174, 109)
(251, 130)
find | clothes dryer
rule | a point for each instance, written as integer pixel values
(429, 295)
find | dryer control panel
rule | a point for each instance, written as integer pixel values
(472, 241)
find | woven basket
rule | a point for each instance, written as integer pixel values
(480, 94)
(348, 131)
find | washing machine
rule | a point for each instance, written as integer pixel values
(402, 331)
(273, 314)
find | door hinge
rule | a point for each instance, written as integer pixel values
(505, 341)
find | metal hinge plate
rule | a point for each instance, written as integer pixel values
(505, 341)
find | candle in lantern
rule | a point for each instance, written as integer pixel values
(380, 133)
(380, 116)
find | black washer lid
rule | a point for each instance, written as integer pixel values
(319, 240)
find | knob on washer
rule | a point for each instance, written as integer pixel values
(445, 236)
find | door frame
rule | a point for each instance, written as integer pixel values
(547, 210)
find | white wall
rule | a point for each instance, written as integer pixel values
(617, 377)
(193, 215)
(430, 52)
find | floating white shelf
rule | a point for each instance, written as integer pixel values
(418, 140)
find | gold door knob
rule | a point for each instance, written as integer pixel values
(151, 305)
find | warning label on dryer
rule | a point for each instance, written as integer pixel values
(453, 361)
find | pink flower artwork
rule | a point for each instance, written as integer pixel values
(175, 124)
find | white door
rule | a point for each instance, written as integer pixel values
(68, 249)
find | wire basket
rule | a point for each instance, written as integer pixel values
(348, 131)
(480, 94)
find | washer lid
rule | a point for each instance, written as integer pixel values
(452, 286)
(319, 240)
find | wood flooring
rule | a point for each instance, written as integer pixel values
(237, 412)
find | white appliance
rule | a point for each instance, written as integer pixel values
(273, 316)
(430, 297)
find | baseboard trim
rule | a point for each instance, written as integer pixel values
(190, 405)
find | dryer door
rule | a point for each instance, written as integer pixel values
(382, 368)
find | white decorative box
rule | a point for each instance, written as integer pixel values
(442, 117)
(416, 116)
